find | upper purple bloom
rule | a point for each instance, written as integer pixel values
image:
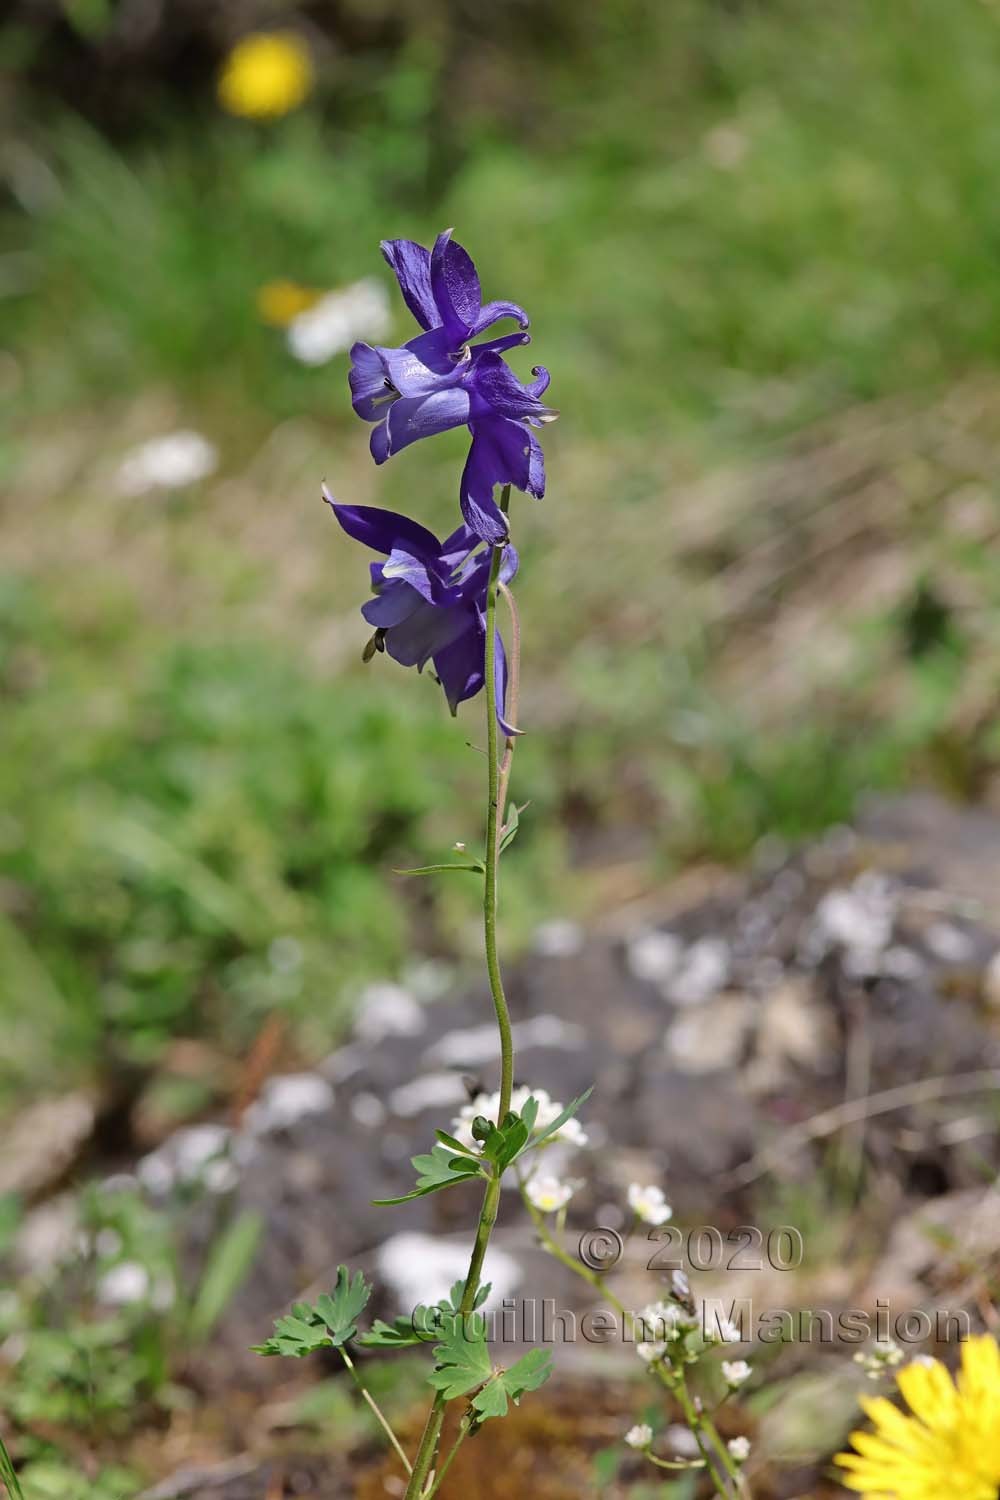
(430, 599)
(440, 380)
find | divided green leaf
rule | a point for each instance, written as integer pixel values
(461, 1359)
(530, 1371)
(330, 1324)
(435, 1170)
(423, 1325)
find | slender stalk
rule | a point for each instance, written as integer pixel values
(681, 1463)
(513, 702)
(418, 1488)
(701, 1426)
(463, 1432)
(378, 1414)
(494, 818)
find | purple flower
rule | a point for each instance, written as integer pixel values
(440, 380)
(430, 600)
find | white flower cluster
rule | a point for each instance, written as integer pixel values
(739, 1447)
(649, 1204)
(736, 1372)
(640, 1436)
(667, 1320)
(882, 1356)
(549, 1194)
(571, 1132)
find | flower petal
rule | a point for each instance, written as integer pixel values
(423, 365)
(385, 530)
(499, 391)
(540, 384)
(497, 346)
(487, 466)
(391, 605)
(457, 547)
(459, 665)
(500, 669)
(411, 264)
(536, 467)
(411, 418)
(425, 632)
(369, 394)
(455, 285)
(494, 311)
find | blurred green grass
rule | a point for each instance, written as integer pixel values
(730, 225)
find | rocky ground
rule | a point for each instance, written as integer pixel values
(729, 1028)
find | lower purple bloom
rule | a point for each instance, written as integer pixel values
(430, 600)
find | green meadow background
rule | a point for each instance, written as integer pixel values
(760, 244)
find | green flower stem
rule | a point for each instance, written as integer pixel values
(704, 1432)
(380, 1418)
(513, 703)
(682, 1463)
(463, 1431)
(494, 819)
(700, 1425)
(417, 1489)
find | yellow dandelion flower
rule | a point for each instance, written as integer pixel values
(266, 75)
(949, 1446)
(279, 302)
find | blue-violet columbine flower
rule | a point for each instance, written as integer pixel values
(430, 600)
(441, 379)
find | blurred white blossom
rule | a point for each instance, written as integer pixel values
(571, 1133)
(736, 1371)
(336, 321)
(649, 1204)
(640, 1436)
(124, 1284)
(881, 1356)
(739, 1447)
(172, 462)
(549, 1194)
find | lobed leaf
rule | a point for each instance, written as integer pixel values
(331, 1323)
(530, 1371)
(435, 1170)
(461, 1359)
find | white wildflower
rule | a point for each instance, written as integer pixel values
(287, 1098)
(719, 1329)
(571, 1132)
(883, 1355)
(666, 1320)
(549, 1194)
(336, 321)
(640, 1436)
(167, 463)
(124, 1284)
(649, 1353)
(735, 1372)
(649, 1204)
(739, 1447)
